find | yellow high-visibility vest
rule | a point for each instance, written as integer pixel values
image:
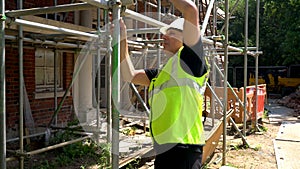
(176, 100)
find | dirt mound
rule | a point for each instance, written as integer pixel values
(291, 101)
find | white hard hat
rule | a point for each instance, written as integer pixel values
(177, 24)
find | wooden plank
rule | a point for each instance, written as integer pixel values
(287, 146)
(213, 137)
(58, 23)
(212, 142)
(138, 154)
(287, 154)
(289, 131)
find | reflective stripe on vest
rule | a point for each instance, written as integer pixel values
(176, 100)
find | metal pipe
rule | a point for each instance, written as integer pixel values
(213, 83)
(207, 16)
(142, 52)
(55, 85)
(239, 132)
(225, 79)
(50, 27)
(55, 14)
(145, 10)
(230, 48)
(214, 94)
(145, 66)
(222, 75)
(98, 75)
(159, 35)
(215, 19)
(242, 48)
(256, 92)
(21, 90)
(108, 78)
(256, 61)
(245, 65)
(128, 13)
(232, 10)
(2, 88)
(116, 84)
(231, 120)
(257, 24)
(238, 53)
(46, 42)
(11, 159)
(151, 21)
(28, 136)
(55, 44)
(54, 146)
(236, 96)
(51, 9)
(250, 48)
(143, 18)
(140, 99)
(142, 30)
(103, 4)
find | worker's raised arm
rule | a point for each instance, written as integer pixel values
(128, 72)
(191, 29)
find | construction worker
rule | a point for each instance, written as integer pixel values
(175, 91)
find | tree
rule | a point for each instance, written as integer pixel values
(237, 29)
(279, 31)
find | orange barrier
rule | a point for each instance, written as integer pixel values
(233, 103)
(261, 95)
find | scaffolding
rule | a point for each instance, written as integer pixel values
(145, 48)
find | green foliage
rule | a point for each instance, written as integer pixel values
(257, 148)
(263, 128)
(87, 149)
(231, 165)
(134, 164)
(266, 113)
(281, 29)
(279, 33)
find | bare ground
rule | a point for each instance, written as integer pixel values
(259, 154)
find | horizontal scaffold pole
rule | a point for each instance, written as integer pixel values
(50, 27)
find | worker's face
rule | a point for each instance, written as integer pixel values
(172, 41)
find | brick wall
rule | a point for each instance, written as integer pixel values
(12, 5)
(42, 109)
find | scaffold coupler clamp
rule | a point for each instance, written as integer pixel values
(24, 154)
(112, 3)
(3, 17)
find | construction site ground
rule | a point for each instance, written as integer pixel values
(277, 146)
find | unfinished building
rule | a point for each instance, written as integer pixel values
(58, 66)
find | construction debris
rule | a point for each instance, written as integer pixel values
(292, 101)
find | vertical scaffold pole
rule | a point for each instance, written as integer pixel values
(256, 61)
(2, 89)
(115, 84)
(21, 91)
(225, 80)
(108, 76)
(245, 67)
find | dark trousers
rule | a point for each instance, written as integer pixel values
(178, 156)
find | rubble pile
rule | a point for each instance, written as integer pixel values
(292, 101)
